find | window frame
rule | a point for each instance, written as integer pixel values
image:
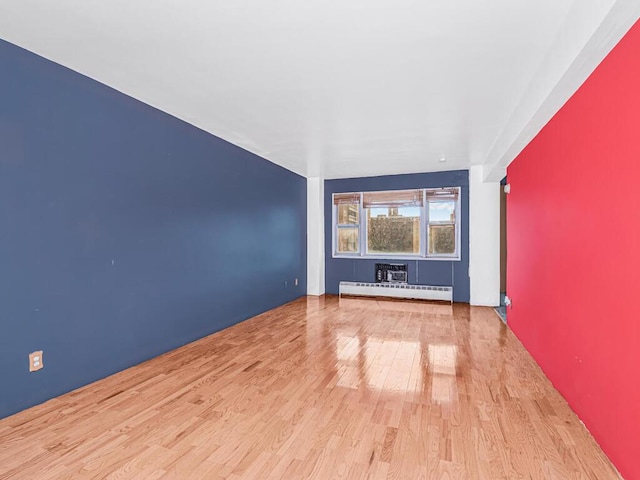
(424, 229)
(455, 223)
(337, 226)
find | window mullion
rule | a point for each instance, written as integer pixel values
(335, 229)
(458, 223)
(424, 218)
(362, 227)
(427, 225)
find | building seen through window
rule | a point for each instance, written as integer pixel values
(408, 223)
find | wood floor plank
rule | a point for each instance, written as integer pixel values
(319, 388)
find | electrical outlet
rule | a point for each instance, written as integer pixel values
(286, 284)
(35, 361)
(295, 282)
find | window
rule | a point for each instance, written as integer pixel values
(442, 221)
(347, 207)
(393, 221)
(420, 223)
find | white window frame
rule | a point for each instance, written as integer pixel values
(424, 232)
(337, 226)
(456, 224)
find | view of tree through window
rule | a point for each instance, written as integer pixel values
(442, 227)
(442, 239)
(393, 230)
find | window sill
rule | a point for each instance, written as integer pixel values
(397, 257)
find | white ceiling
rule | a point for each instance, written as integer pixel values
(338, 88)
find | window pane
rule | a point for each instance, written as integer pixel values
(393, 230)
(442, 211)
(442, 239)
(348, 213)
(348, 240)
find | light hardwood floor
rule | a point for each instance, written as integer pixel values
(320, 388)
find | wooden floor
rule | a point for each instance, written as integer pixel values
(320, 388)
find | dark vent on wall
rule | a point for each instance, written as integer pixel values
(391, 273)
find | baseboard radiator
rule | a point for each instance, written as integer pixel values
(396, 290)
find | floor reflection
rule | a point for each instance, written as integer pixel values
(442, 366)
(442, 359)
(394, 353)
(348, 359)
(444, 389)
(379, 364)
(393, 366)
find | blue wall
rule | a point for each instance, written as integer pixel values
(425, 272)
(125, 232)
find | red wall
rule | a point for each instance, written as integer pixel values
(574, 252)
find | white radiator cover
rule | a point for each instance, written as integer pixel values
(397, 290)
